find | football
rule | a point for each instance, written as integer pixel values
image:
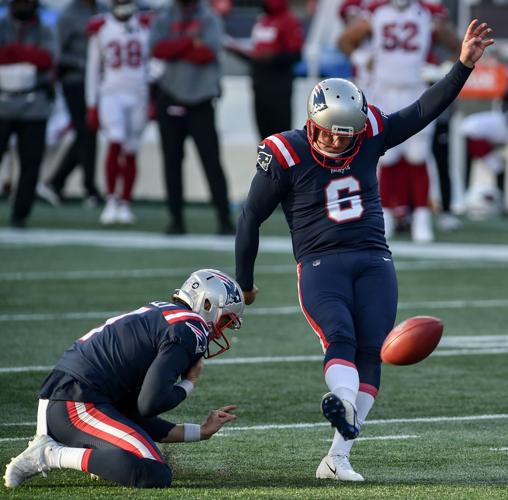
(412, 340)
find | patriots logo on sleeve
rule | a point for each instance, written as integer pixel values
(201, 337)
(264, 160)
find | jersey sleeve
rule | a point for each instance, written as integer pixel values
(267, 190)
(410, 120)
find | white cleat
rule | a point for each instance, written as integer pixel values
(421, 225)
(29, 463)
(124, 214)
(109, 214)
(337, 467)
(448, 222)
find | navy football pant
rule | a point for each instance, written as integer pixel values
(119, 450)
(350, 301)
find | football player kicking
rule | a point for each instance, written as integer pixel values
(324, 176)
(98, 408)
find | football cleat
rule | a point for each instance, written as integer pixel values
(108, 215)
(124, 214)
(337, 467)
(421, 225)
(341, 414)
(29, 463)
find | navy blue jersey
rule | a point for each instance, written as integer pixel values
(331, 209)
(133, 359)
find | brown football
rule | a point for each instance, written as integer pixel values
(412, 340)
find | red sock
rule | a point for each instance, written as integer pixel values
(419, 184)
(129, 175)
(112, 166)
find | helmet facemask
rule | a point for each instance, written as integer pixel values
(334, 160)
(218, 299)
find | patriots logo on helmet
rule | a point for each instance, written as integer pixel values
(318, 99)
(233, 296)
(264, 160)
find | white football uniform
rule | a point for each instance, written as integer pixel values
(117, 78)
(401, 41)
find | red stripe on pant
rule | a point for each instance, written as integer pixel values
(110, 438)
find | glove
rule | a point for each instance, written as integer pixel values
(92, 119)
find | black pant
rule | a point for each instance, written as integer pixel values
(31, 142)
(198, 121)
(83, 149)
(440, 147)
(272, 108)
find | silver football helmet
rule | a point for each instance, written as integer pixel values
(401, 4)
(218, 299)
(123, 9)
(339, 108)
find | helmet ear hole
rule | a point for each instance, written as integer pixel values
(207, 305)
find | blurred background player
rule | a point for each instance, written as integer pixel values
(27, 60)
(402, 32)
(187, 37)
(98, 409)
(117, 95)
(72, 43)
(486, 135)
(277, 40)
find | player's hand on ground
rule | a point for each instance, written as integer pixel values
(250, 295)
(475, 42)
(195, 371)
(216, 419)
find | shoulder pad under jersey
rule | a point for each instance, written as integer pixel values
(376, 4)
(188, 329)
(95, 24)
(276, 153)
(375, 121)
(145, 19)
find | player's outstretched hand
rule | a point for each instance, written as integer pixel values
(250, 295)
(216, 419)
(475, 42)
(195, 371)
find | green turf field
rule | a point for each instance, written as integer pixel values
(439, 429)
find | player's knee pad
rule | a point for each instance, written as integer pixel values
(340, 348)
(151, 474)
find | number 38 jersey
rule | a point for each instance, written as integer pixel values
(117, 58)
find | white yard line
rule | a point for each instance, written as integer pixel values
(268, 244)
(261, 311)
(310, 425)
(421, 265)
(395, 437)
(494, 344)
